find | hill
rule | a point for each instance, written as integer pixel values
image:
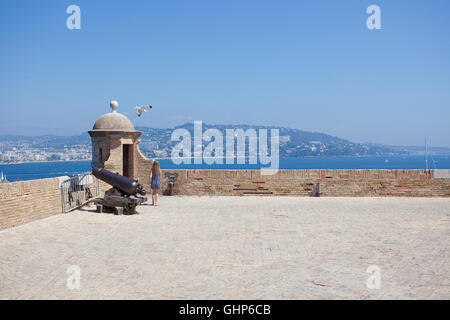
(293, 142)
(156, 143)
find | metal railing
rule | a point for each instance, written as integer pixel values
(79, 190)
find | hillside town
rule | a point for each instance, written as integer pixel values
(26, 154)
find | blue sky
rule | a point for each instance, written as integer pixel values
(311, 65)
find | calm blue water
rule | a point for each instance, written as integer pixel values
(29, 171)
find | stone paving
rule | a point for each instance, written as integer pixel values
(235, 248)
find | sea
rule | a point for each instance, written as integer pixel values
(39, 170)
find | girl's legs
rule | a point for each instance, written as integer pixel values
(153, 197)
(156, 198)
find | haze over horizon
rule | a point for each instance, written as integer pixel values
(304, 65)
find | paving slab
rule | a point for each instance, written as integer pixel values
(235, 248)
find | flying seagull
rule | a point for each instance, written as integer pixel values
(141, 110)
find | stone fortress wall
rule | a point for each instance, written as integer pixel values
(25, 201)
(328, 183)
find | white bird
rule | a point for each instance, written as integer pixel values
(141, 110)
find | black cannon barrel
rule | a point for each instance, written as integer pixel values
(123, 184)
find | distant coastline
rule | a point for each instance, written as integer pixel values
(156, 143)
(50, 169)
(49, 161)
(308, 157)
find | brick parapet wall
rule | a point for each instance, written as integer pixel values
(143, 167)
(407, 183)
(25, 201)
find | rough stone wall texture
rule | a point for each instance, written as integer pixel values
(142, 167)
(399, 183)
(25, 201)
